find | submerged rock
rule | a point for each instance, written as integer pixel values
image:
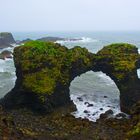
(121, 115)
(105, 97)
(80, 99)
(90, 105)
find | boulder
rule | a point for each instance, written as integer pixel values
(107, 114)
(5, 54)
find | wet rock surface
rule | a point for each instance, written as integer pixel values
(60, 125)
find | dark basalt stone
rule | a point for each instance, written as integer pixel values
(90, 105)
(121, 115)
(105, 97)
(106, 114)
(80, 99)
(85, 111)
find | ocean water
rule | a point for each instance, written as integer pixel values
(92, 92)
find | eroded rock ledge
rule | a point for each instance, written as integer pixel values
(45, 70)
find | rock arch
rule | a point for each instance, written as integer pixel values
(45, 70)
(94, 93)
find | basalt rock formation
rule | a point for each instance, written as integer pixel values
(6, 39)
(45, 70)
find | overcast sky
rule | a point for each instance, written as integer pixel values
(69, 15)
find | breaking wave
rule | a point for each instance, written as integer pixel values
(77, 40)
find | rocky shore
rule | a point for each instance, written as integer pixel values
(39, 106)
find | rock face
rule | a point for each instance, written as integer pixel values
(45, 70)
(6, 39)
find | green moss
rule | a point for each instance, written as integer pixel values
(119, 56)
(40, 82)
(135, 132)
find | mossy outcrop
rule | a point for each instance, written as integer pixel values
(45, 70)
(120, 62)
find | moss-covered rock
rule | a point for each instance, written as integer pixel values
(120, 62)
(45, 70)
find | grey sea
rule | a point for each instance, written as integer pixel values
(94, 88)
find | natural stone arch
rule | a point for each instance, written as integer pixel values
(94, 93)
(45, 70)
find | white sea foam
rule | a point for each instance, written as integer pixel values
(77, 40)
(138, 73)
(93, 112)
(106, 78)
(1, 65)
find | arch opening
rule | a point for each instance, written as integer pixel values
(94, 93)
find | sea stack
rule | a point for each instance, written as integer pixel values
(6, 39)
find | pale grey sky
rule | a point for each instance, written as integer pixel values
(69, 15)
